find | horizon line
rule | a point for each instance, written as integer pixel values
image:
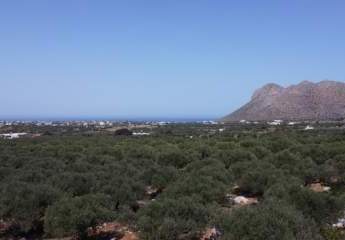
(118, 118)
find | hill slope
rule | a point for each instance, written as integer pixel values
(317, 101)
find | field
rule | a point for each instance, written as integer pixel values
(183, 181)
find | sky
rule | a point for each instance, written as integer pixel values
(160, 59)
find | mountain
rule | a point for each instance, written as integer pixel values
(305, 101)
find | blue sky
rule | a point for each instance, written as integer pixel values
(154, 58)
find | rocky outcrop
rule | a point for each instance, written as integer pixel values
(306, 101)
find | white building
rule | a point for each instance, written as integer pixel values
(275, 122)
(12, 135)
(141, 134)
(309, 128)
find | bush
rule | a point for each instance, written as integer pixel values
(26, 203)
(255, 177)
(73, 216)
(169, 219)
(321, 207)
(271, 221)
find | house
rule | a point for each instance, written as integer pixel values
(12, 135)
(141, 134)
(309, 128)
(275, 122)
(244, 121)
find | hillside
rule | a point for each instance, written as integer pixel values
(306, 101)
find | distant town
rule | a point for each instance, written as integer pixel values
(14, 129)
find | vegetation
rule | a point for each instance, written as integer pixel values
(63, 185)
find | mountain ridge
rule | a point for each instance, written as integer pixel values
(307, 100)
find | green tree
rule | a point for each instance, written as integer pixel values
(73, 216)
(270, 221)
(26, 203)
(169, 219)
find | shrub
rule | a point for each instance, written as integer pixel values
(73, 216)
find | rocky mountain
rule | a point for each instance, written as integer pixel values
(306, 101)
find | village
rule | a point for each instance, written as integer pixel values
(32, 129)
